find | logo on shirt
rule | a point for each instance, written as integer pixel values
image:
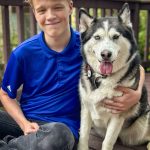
(9, 88)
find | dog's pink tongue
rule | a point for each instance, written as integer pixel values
(106, 68)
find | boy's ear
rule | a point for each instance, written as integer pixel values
(124, 15)
(85, 20)
(71, 6)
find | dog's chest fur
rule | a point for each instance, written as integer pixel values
(93, 91)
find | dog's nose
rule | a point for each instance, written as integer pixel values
(106, 54)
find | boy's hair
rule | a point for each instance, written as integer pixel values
(31, 2)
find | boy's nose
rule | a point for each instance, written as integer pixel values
(50, 14)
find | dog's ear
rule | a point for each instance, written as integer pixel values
(85, 20)
(124, 15)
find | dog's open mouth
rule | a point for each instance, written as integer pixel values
(106, 67)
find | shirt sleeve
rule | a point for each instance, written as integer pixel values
(13, 77)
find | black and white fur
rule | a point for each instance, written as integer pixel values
(110, 39)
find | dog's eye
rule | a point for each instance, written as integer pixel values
(97, 37)
(115, 37)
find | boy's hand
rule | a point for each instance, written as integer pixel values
(30, 127)
(120, 104)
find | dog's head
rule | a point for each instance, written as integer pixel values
(108, 42)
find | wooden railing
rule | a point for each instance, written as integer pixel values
(95, 7)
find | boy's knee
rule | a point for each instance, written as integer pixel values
(55, 136)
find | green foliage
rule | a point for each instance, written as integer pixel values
(27, 26)
(13, 31)
(142, 31)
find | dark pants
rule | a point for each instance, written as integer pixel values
(50, 136)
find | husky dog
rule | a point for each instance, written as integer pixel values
(109, 50)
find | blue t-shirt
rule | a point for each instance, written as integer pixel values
(50, 80)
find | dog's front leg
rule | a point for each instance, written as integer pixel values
(113, 129)
(85, 127)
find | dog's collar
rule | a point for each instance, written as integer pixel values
(90, 72)
(95, 80)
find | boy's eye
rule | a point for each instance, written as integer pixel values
(41, 11)
(59, 8)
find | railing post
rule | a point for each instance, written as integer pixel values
(20, 23)
(6, 33)
(33, 27)
(135, 20)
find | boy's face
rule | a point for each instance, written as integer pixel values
(53, 16)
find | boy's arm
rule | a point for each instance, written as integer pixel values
(142, 79)
(13, 109)
(129, 98)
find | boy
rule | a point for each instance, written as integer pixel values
(48, 67)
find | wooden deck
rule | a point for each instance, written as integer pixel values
(96, 141)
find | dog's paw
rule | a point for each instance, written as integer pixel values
(107, 147)
(82, 147)
(148, 146)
